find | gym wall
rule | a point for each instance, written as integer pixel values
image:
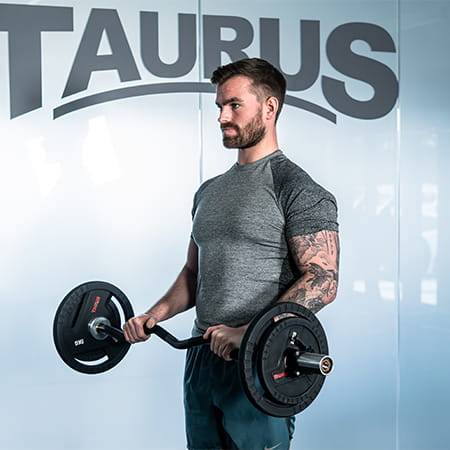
(108, 126)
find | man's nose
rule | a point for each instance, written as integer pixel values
(224, 115)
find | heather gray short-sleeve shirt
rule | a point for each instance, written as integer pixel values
(242, 220)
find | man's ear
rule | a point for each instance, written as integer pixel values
(271, 108)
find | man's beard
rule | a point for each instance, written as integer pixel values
(246, 137)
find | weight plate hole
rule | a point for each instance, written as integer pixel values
(93, 363)
(119, 307)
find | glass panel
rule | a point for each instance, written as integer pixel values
(103, 192)
(425, 220)
(356, 159)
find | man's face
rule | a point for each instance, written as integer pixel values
(240, 113)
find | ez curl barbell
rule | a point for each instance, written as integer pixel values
(283, 359)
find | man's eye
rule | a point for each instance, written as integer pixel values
(235, 105)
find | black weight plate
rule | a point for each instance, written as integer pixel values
(74, 342)
(287, 401)
(282, 387)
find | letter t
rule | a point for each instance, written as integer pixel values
(24, 24)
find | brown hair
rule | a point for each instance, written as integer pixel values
(267, 80)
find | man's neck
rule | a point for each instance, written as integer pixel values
(259, 151)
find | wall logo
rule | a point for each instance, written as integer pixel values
(25, 25)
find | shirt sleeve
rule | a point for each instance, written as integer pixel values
(310, 210)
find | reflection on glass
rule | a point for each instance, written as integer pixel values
(428, 292)
(387, 290)
(47, 174)
(99, 155)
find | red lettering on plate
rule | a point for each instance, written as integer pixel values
(277, 376)
(97, 301)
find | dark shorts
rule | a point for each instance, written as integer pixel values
(219, 414)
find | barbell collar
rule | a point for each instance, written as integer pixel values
(97, 328)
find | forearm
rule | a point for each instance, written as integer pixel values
(317, 259)
(312, 293)
(179, 298)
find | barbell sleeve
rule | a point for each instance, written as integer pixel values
(314, 361)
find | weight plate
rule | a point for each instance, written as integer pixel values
(75, 343)
(273, 371)
(262, 360)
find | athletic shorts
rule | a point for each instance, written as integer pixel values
(218, 413)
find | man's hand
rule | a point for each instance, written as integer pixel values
(133, 330)
(224, 339)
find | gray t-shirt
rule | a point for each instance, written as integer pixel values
(242, 220)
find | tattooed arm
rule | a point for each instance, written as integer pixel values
(317, 258)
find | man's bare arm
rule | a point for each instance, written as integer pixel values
(317, 258)
(180, 297)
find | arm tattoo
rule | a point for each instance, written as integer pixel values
(317, 258)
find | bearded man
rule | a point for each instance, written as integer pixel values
(263, 232)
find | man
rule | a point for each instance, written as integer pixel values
(262, 232)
